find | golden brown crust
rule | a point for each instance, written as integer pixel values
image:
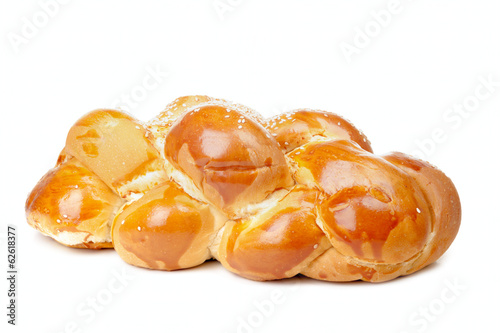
(73, 206)
(116, 147)
(161, 124)
(333, 266)
(442, 205)
(443, 201)
(379, 215)
(165, 229)
(301, 193)
(296, 128)
(278, 243)
(229, 157)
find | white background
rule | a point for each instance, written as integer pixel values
(271, 56)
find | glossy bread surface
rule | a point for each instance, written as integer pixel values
(74, 206)
(296, 128)
(300, 193)
(116, 147)
(278, 243)
(379, 215)
(229, 156)
(165, 229)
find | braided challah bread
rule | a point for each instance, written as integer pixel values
(300, 193)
